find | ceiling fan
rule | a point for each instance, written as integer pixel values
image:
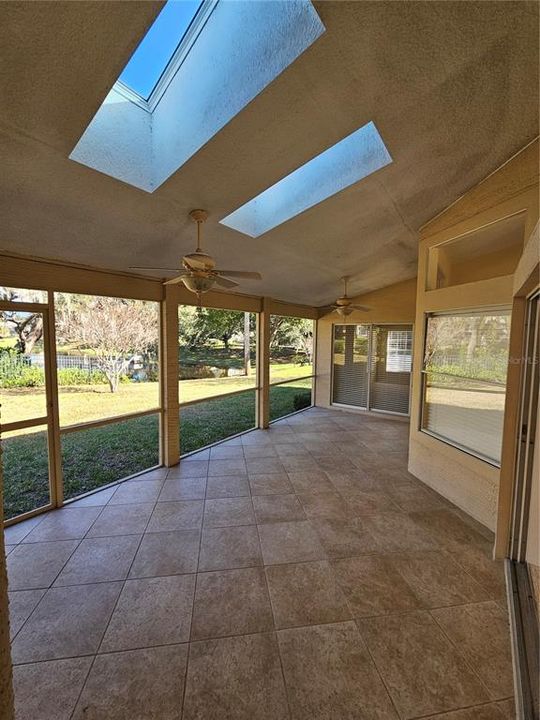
(344, 305)
(198, 271)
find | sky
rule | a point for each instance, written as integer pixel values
(158, 45)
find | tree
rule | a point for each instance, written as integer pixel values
(113, 328)
(27, 326)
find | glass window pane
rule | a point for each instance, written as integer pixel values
(290, 397)
(351, 351)
(25, 469)
(217, 352)
(390, 368)
(291, 347)
(216, 419)
(465, 364)
(107, 356)
(98, 456)
(22, 366)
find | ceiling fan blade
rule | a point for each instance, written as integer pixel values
(363, 308)
(142, 267)
(224, 282)
(240, 274)
(175, 280)
(327, 309)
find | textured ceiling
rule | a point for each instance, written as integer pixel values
(451, 86)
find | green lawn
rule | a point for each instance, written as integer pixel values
(97, 456)
(82, 403)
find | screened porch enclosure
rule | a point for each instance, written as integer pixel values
(99, 387)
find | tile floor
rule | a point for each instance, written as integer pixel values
(297, 573)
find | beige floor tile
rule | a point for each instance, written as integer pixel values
(229, 547)
(262, 465)
(226, 512)
(481, 633)
(298, 463)
(167, 553)
(448, 529)
(49, 690)
(237, 678)
(201, 455)
(290, 542)
(310, 481)
(354, 481)
(477, 561)
(330, 505)
(437, 580)
(36, 565)
(121, 520)
(151, 611)
(396, 531)
(305, 594)
(411, 497)
(421, 669)
(252, 452)
(136, 491)
(227, 452)
(64, 524)
(328, 674)
(344, 539)
(16, 533)
(369, 502)
(270, 484)
(231, 466)
(21, 606)
(95, 499)
(68, 622)
(191, 469)
(231, 602)
(100, 560)
(479, 712)
(507, 708)
(180, 515)
(143, 684)
(223, 486)
(183, 489)
(372, 586)
(277, 508)
(334, 463)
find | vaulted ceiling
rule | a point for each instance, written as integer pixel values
(451, 86)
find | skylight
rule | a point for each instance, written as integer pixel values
(156, 49)
(345, 163)
(182, 88)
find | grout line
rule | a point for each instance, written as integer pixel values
(83, 685)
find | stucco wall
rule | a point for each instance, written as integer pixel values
(467, 481)
(392, 304)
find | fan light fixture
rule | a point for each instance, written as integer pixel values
(344, 306)
(198, 272)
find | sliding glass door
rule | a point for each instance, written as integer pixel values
(351, 360)
(372, 367)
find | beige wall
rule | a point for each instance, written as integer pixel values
(392, 304)
(469, 482)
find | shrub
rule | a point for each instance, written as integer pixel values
(76, 376)
(302, 400)
(22, 376)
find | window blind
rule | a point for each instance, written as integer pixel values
(464, 380)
